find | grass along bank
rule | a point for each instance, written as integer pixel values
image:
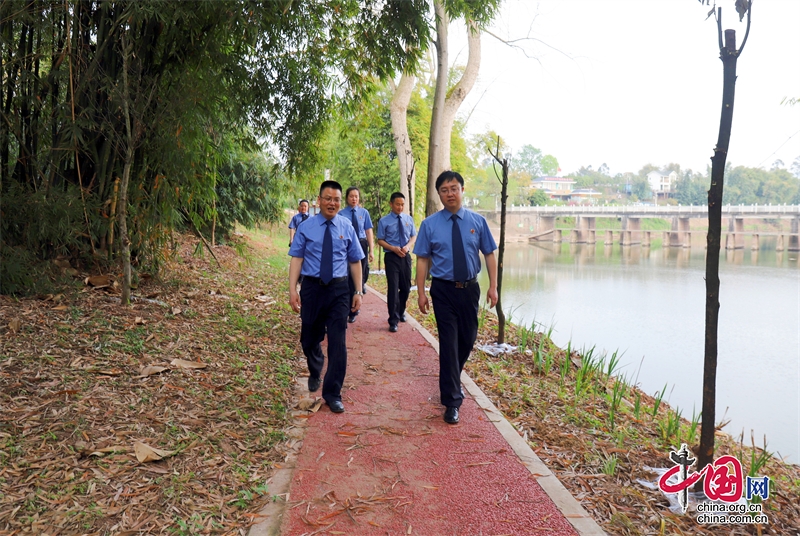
(598, 433)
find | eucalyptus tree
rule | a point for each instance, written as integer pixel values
(446, 101)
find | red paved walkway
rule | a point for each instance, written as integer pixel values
(391, 465)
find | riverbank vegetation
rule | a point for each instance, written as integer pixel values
(84, 383)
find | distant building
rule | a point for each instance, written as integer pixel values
(555, 187)
(585, 195)
(661, 183)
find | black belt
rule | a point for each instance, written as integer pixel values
(458, 284)
(318, 281)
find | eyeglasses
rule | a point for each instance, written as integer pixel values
(451, 190)
(335, 200)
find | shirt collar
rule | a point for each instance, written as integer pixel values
(461, 213)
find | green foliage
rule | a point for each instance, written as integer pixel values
(248, 192)
(191, 74)
(538, 198)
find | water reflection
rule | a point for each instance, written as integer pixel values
(650, 303)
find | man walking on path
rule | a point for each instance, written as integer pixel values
(362, 223)
(297, 219)
(448, 243)
(396, 235)
(323, 249)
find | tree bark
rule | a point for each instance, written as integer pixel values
(501, 247)
(125, 243)
(728, 55)
(446, 106)
(402, 143)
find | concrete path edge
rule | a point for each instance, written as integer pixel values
(584, 524)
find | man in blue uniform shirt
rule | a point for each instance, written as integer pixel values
(362, 223)
(449, 243)
(323, 250)
(396, 234)
(297, 219)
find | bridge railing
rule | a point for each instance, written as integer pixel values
(666, 210)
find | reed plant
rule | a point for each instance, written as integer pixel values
(670, 425)
(692, 435)
(610, 464)
(659, 396)
(614, 399)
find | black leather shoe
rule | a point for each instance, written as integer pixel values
(351, 319)
(451, 416)
(393, 328)
(313, 384)
(336, 406)
(402, 318)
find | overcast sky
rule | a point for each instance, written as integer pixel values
(632, 82)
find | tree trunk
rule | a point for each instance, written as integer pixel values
(438, 159)
(125, 243)
(501, 247)
(446, 106)
(728, 55)
(402, 143)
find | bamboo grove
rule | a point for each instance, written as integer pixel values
(194, 90)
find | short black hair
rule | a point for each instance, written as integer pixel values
(352, 188)
(396, 195)
(447, 176)
(329, 184)
(302, 201)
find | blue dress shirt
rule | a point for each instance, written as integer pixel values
(362, 214)
(435, 242)
(297, 219)
(307, 245)
(387, 229)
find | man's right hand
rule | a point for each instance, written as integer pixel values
(422, 302)
(294, 300)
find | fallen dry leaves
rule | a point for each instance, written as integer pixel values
(163, 417)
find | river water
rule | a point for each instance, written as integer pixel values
(649, 304)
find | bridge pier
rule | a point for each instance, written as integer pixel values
(584, 232)
(545, 223)
(794, 238)
(779, 245)
(735, 237)
(631, 231)
(646, 239)
(557, 236)
(609, 241)
(754, 246)
(679, 235)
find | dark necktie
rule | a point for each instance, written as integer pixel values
(459, 258)
(354, 220)
(326, 268)
(400, 234)
(304, 216)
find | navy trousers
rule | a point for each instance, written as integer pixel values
(398, 282)
(325, 308)
(456, 311)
